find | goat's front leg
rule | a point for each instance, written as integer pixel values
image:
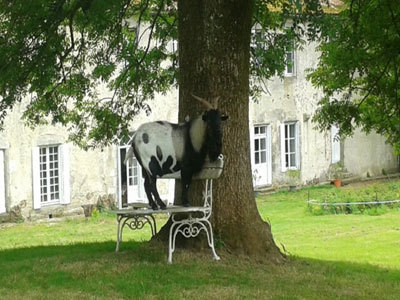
(186, 179)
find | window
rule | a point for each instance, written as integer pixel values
(290, 62)
(290, 149)
(133, 172)
(50, 175)
(260, 144)
(261, 155)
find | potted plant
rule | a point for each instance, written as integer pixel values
(337, 173)
(293, 179)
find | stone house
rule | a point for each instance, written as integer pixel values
(44, 176)
(283, 137)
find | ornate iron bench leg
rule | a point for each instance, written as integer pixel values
(119, 232)
(210, 238)
(171, 240)
(134, 222)
(153, 226)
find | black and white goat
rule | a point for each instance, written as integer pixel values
(163, 148)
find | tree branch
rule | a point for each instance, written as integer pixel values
(375, 83)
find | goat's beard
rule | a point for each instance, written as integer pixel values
(214, 152)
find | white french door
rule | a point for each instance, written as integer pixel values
(130, 180)
(261, 155)
(135, 182)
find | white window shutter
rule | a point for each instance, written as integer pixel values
(2, 186)
(65, 162)
(283, 161)
(119, 190)
(298, 146)
(335, 145)
(269, 154)
(252, 145)
(36, 177)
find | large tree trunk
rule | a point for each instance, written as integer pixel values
(214, 49)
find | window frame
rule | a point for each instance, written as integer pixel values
(292, 62)
(258, 136)
(63, 175)
(50, 175)
(286, 145)
(265, 134)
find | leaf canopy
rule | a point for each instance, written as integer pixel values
(57, 55)
(359, 70)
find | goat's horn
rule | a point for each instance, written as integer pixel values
(215, 102)
(204, 102)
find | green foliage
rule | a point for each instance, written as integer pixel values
(359, 70)
(58, 53)
(337, 170)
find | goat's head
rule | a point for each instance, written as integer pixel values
(213, 119)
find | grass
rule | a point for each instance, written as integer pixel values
(331, 257)
(355, 238)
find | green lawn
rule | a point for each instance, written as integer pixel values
(359, 238)
(331, 256)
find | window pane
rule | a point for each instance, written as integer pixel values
(292, 145)
(256, 129)
(293, 160)
(292, 130)
(286, 160)
(257, 158)
(263, 156)
(262, 129)
(256, 145)
(263, 144)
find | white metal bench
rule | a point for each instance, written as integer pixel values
(195, 218)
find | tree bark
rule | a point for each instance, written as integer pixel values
(214, 53)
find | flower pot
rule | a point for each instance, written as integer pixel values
(337, 182)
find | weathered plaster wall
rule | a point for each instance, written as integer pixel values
(93, 173)
(368, 154)
(295, 99)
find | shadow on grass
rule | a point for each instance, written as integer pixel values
(140, 251)
(94, 270)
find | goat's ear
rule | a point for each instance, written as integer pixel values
(224, 118)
